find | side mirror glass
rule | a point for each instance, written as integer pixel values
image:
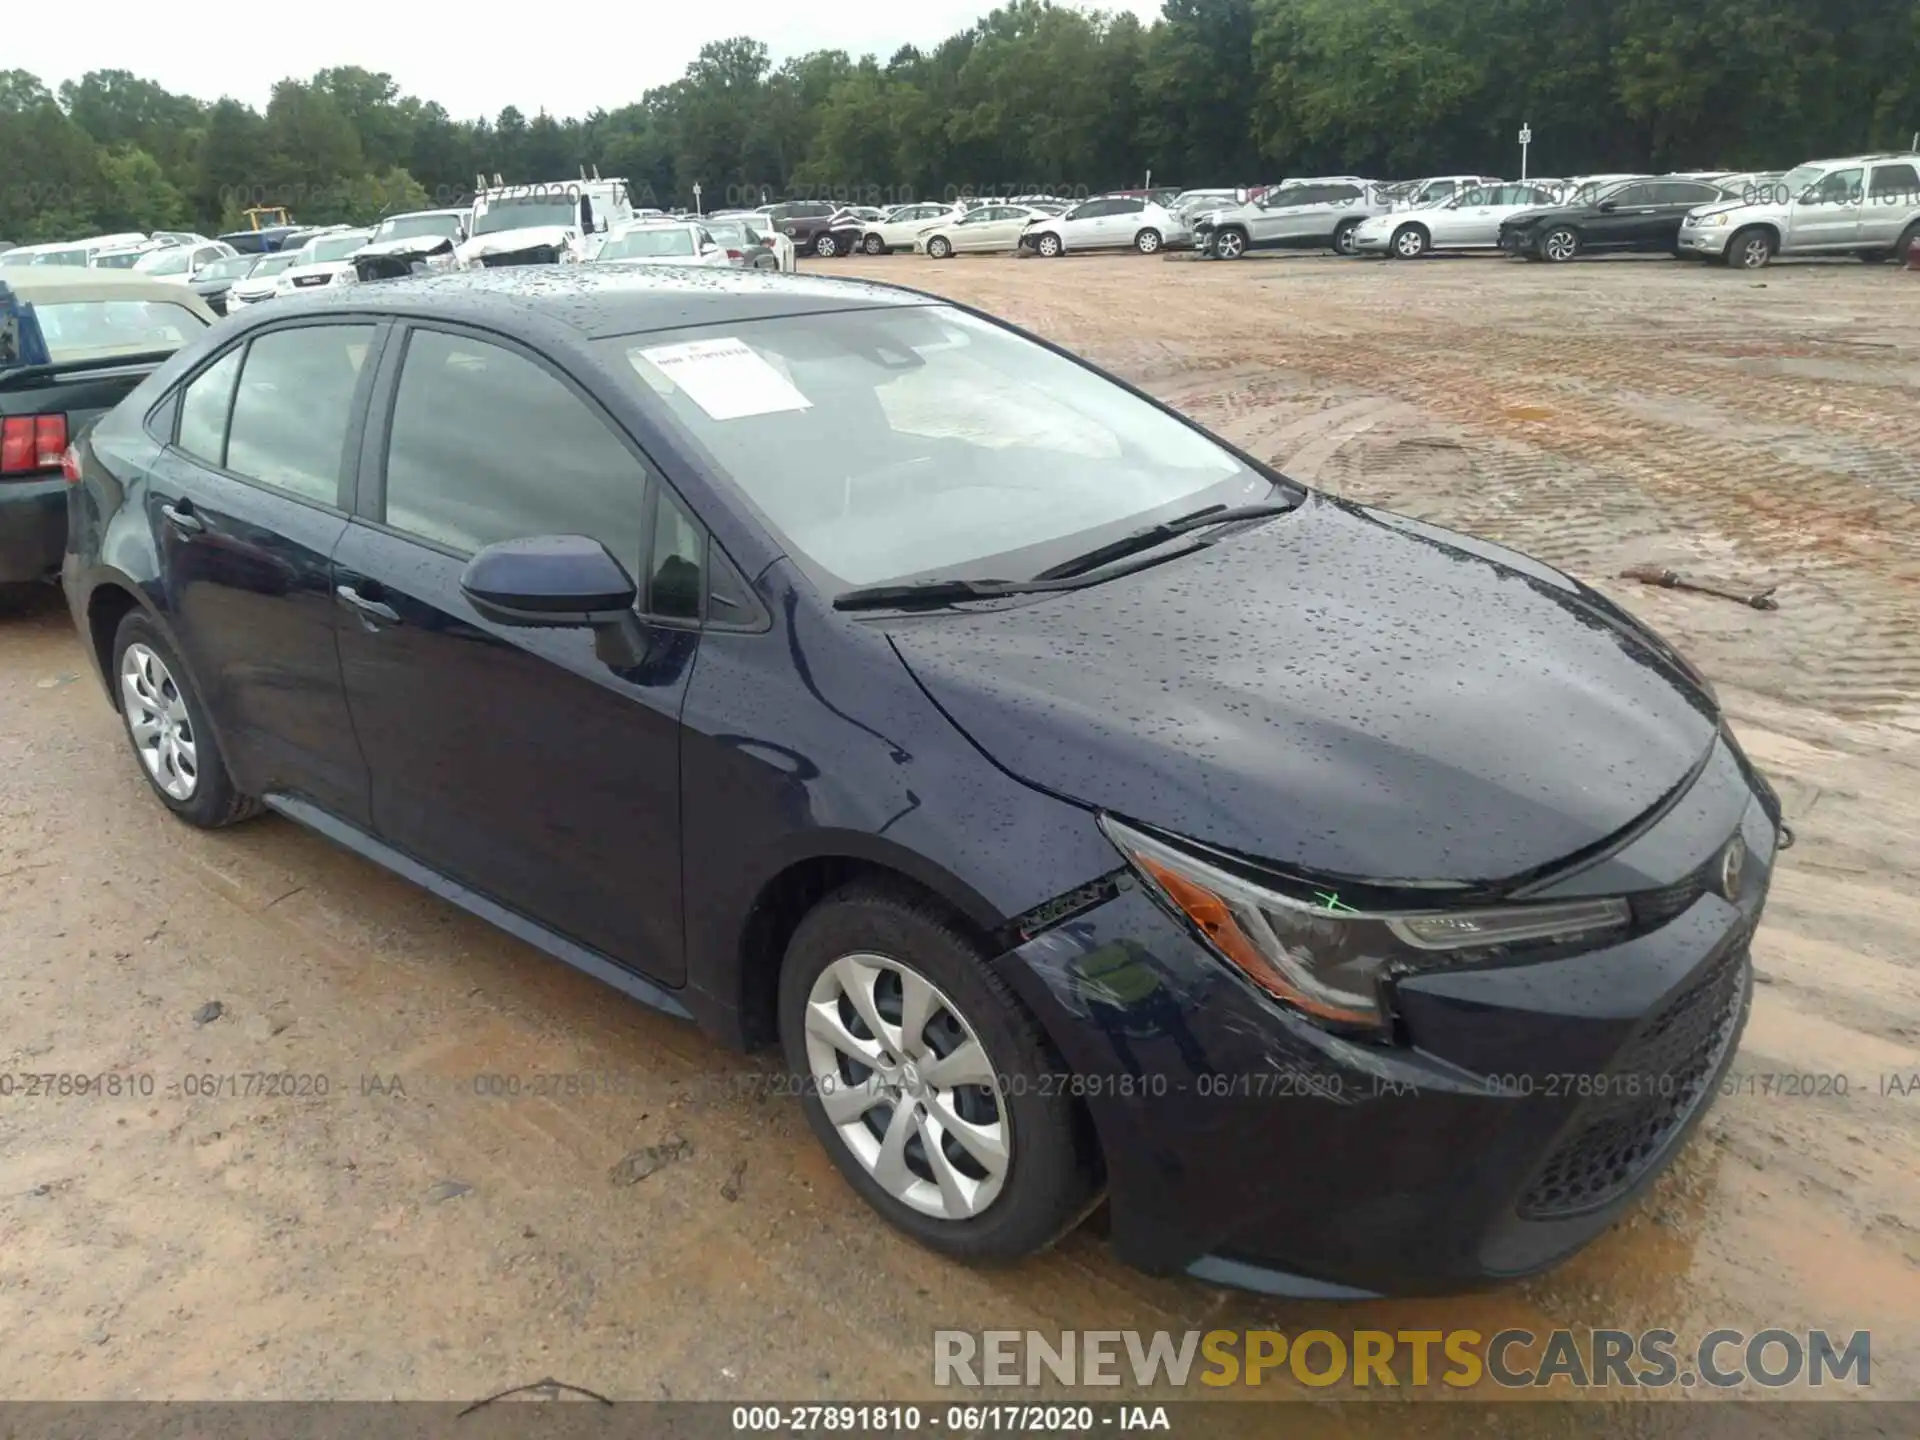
(1608, 206)
(548, 581)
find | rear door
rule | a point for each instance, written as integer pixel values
(1893, 198)
(1672, 199)
(1121, 222)
(515, 760)
(247, 504)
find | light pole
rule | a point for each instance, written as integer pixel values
(696, 196)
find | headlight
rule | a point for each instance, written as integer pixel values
(1327, 959)
(346, 277)
(1707, 221)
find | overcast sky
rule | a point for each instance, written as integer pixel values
(567, 58)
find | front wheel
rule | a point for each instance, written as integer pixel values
(826, 247)
(1229, 244)
(927, 1080)
(1750, 249)
(1047, 246)
(1147, 242)
(874, 245)
(1560, 244)
(1409, 242)
(939, 247)
(166, 723)
(1343, 238)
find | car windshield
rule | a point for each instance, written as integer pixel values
(231, 268)
(409, 227)
(97, 329)
(896, 442)
(272, 265)
(329, 248)
(522, 212)
(121, 260)
(1799, 178)
(162, 262)
(73, 256)
(648, 244)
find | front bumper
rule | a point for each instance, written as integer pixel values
(1705, 242)
(33, 528)
(1372, 243)
(1522, 1109)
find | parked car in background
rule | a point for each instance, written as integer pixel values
(803, 222)
(541, 224)
(1302, 214)
(322, 261)
(985, 227)
(1633, 215)
(1106, 222)
(753, 249)
(1418, 194)
(1865, 205)
(843, 235)
(74, 252)
(216, 278)
(901, 226)
(181, 237)
(124, 257)
(976, 729)
(74, 342)
(1469, 220)
(182, 263)
(416, 242)
(260, 283)
(665, 242)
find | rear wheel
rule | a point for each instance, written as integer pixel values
(1343, 238)
(1903, 250)
(1409, 242)
(927, 1080)
(939, 247)
(1230, 244)
(1147, 242)
(1750, 249)
(1560, 244)
(165, 723)
(826, 247)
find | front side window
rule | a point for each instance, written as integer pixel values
(486, 446)
(293, 406)
(888, 443)
(1842, 187)
(203, 410)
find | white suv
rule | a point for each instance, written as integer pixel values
(1106, 222)
(1300, 214)
(1865, 205)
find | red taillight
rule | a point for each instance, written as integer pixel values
(70, 465)
(31, 442)
(736, 255)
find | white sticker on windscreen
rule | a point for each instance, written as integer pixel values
(726, 378)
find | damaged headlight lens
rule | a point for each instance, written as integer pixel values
(1327, 959)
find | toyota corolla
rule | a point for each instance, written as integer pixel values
(1088, 810)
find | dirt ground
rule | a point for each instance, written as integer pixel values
(401, 1235)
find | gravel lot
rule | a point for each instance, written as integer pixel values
(402, 1235)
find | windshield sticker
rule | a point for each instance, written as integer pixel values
(726, 378)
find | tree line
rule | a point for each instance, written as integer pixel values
(1032, 97)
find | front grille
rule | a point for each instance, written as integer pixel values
(532, 255)
(304, 280)
(1655, 1084)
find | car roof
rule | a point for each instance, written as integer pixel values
(453, 210)
(596, 302)
(66, 284)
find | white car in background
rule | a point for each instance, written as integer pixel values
(1469, 220)
(902, 226)
(260, 281)
(323, 260)
(419, 241)
(757, 249)
(664, 242)
(1107, 222)
(182, 263)
(985, 227)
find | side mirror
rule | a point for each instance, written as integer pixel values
(708, 247)
(1607, 207)
(548, 581)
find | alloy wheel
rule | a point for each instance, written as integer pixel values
(1754, 252)
(1560, 245)
(1230, 245)
(875, 244)
(1343, 241)
(1048, 246)
(938, 248)
(157, 718)
(1147, 241)
(825, 247)
(907, 1085)
(1409, 243)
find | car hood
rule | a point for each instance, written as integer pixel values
(1724, 207)
(506, 242)
(406, 245)
(1340, 691)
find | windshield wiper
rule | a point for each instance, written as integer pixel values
(1149, 536)
(933, 592)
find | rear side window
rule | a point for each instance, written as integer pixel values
(203, 410)
(1891, 182)
(293, 406)
(488, 446)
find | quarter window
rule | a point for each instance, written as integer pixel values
(203, 410)
(293, 405)
(674, 567)
(1895, 182)
(488, 446)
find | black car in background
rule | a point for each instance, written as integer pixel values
(1084, 806)
(1643, 214)
(805, 221)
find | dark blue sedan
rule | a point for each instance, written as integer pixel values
(1087, 809)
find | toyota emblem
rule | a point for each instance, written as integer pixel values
(1733, 861)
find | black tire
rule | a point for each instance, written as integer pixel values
(1052, 1177)
(1559, 245)
(939, 247)
(1343, 237)
(1048, 246)
(1147, 242)
(1750, 249)
(1903, 248)
(1229, 244)
(214, 801)
(1409, 243)
(874, 245)
(825, 246)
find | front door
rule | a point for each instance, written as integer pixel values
(247, 507)
(515, 760)
(1827, 215)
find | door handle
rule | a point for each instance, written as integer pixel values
(181, 517)
(376, 608)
